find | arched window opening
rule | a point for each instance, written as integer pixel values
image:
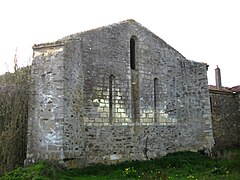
(155, 85)
(132, 53)
(111, 78)
(211, 104)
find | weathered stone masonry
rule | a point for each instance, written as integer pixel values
(225, 107)
(225, 118)
(115, 93)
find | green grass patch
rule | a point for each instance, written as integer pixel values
(175, 166)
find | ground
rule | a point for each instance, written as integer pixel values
(224, 164)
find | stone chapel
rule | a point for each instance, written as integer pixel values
(115, 93)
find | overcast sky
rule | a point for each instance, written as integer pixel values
(201, 30)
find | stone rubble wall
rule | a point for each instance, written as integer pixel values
(141, 120)
(226, 119)
(46, 104)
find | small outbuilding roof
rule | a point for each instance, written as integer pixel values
(235, 89)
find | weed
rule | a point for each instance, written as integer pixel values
(175, 166)
(220, 171)
(130, 172)
(19, 174)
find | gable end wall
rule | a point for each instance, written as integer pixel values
(172, 115)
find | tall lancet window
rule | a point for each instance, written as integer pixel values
(155, 85)
(111, 78)
(132, 53)
(134, 79)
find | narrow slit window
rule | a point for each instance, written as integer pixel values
(211, 104)
(132, 53)
(155, 85)
(111, 98)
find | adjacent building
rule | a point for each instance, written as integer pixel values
(225, 109)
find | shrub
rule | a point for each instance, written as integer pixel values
(14, 94)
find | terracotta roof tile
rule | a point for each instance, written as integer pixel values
(224, 89)
(236, 88)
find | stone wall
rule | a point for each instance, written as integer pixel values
(46, 104)
(225, 118)
(96, 97)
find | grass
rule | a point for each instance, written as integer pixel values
(175, 166)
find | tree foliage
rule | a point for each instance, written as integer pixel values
(14, 95)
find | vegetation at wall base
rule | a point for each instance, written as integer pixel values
(14, 95)
(175, 166)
